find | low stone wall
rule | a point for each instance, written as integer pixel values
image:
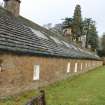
(21, 73)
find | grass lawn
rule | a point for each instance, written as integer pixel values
(84, 89)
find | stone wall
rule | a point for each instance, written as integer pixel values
(16, 72)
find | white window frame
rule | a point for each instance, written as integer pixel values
(86, 65)
(76, 67)
(68, 67)
(36, 72)
(81, 66)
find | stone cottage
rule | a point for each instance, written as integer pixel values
(32, 56)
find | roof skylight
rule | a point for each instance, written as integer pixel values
(56, 40)
(39, 34)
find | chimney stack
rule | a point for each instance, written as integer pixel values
(12, 6)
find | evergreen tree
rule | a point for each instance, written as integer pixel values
(89, 29)
(82, 27)
(92, 37)
(103, 42)
(86, 28)
(67, 22)
(77, 20)
(101, 50)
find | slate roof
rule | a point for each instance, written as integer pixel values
(24, 36)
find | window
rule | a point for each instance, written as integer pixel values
(68, 67)
(76, 67)
(81, 66)
(39, 34)
(86, 65)
(36, 74)
(56, 40)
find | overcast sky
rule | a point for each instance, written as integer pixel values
(52, 11)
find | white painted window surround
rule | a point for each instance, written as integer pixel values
(68, 67)
(76, 67)
(36, 73)
(86, 65)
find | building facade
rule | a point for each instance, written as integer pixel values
(32, 56)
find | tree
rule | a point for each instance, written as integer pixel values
(48, 26)
(92, 37)
(89, 29)
(103, 42)
(86, 28)
(57, 29)
(76, 27)
(67, 28)
(101, 50)
(68, 22)
(77, 20)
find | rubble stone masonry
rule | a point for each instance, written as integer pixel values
(17, 71)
